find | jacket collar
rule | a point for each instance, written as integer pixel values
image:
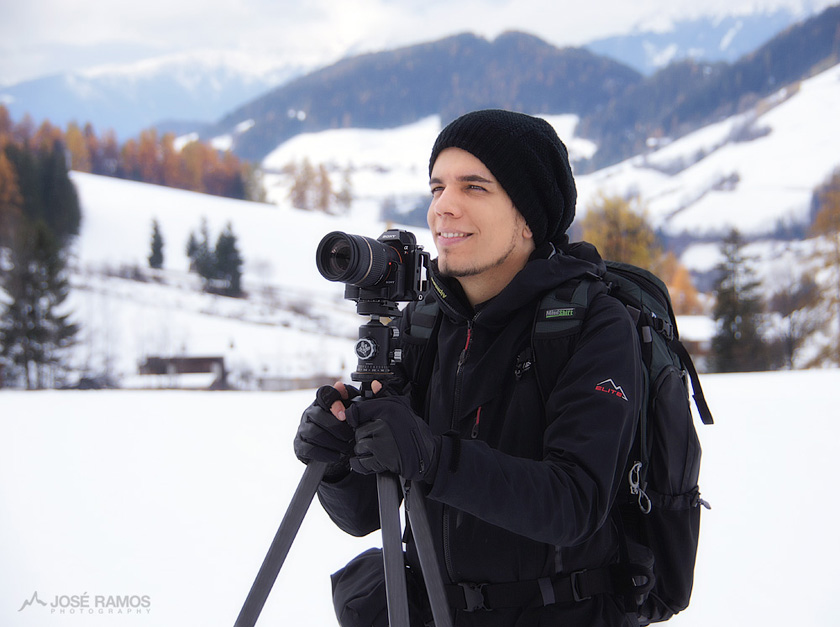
(548, 268)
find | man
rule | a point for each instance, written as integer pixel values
(520, 480)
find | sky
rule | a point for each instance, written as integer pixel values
(42, 37)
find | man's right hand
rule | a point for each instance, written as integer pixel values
(323, 434)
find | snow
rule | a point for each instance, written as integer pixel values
(388, 162)
(774, 174)
(177, 495)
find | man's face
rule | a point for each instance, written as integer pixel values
(476, 228)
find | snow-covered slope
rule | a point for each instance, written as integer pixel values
(294, 323)
(755, 171)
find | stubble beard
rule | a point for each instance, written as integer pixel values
(448, 270)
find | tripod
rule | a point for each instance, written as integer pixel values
(377, 274)
(389, 488)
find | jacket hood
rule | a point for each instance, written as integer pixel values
(547, 269)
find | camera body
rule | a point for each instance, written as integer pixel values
(378, 274)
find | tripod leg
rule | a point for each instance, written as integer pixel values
(389, 518)
(279, 549)
(416, 508)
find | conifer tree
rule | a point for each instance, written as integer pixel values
(156, 254)
(34, 329)
(228, 263)
(737, 346)
(201, 256)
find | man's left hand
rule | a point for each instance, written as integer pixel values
(390, 437)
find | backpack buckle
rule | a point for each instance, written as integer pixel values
(473, 596)
(575, 584)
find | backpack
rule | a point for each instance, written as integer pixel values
(659, 512)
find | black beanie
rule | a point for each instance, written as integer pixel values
(526, 157)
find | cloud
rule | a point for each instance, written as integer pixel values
(42, 36)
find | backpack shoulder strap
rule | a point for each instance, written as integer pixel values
(558, 320)
(697, 390)
(425, 324)
(562, 310)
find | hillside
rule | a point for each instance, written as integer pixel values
(755, 171)
(687, 95)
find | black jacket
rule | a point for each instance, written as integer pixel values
(523, 488)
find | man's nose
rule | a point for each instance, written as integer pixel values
(446, 203)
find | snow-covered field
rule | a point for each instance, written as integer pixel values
(169, 500)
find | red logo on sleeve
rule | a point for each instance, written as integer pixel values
(609, 387)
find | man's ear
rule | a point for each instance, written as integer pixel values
(526, 231)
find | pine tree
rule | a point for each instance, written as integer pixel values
(202, 260)
(156, 254)
(228, 263)
(737, 346)
(33, 329)
(62, 212)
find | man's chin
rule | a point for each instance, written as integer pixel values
(454, 271)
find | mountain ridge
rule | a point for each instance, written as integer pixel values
(620, 109)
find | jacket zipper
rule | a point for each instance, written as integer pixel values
(474, 433)
(459, 375)
(462, 358)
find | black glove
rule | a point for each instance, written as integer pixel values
(390, 437)
(323, 437)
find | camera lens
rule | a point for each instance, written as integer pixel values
(354, 259)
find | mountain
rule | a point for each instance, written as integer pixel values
(619, 109)
(687, 95)
(196, 87)
(445, 78)
(648, 49)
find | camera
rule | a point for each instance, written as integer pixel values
(377, 273)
